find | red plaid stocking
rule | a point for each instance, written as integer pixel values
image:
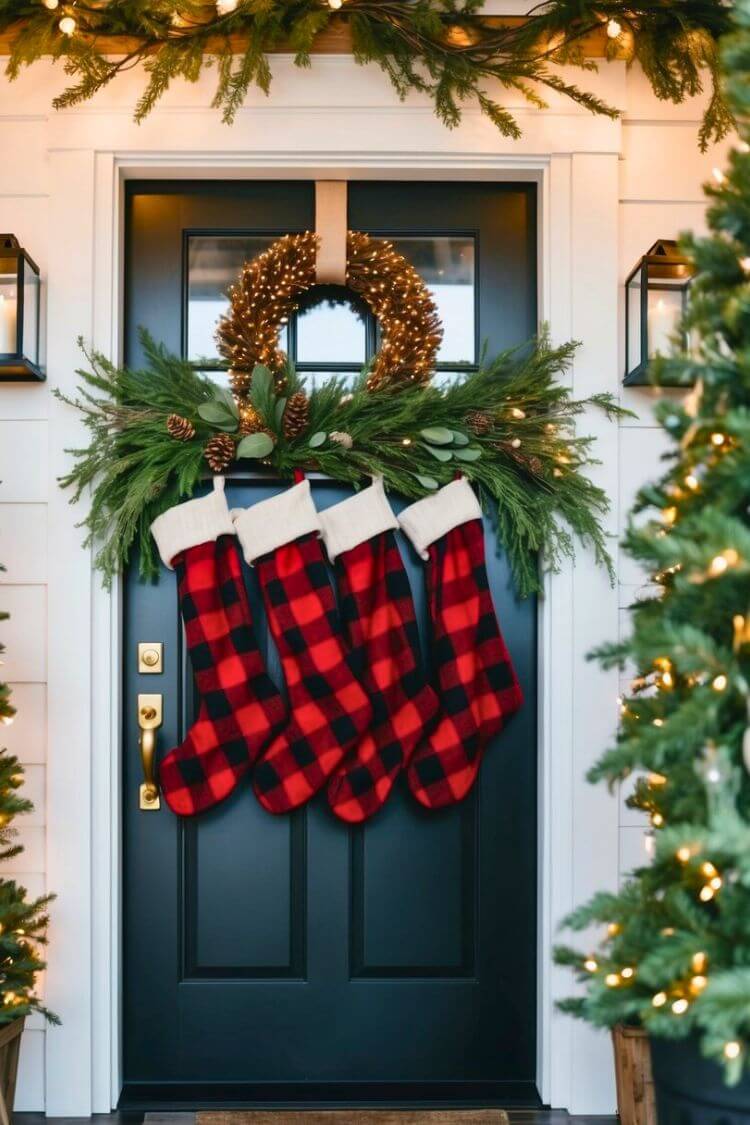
(378, 615)
(478, 685)
(240, 708)
(329, 709)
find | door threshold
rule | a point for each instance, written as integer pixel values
(143, 1097)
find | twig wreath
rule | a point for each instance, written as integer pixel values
(509, 426)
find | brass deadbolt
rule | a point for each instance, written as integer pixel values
(150, 657)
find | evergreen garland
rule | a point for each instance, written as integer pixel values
(444, 48)
(675, 956)
(508, 427)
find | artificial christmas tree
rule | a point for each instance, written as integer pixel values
(675, 956)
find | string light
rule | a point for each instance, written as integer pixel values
(627, 973)
(612, 980)
(692, 482)
(718, 175)
(51, 4)
(590, 965)
(613, 928)
(680, 1006)
(226, 7)
(657, 779)
(718, 439)
(516, 412)
(659, 999)
(698, 983)
(613, 29)
(335, 4)
(732, 1049)
(719, 682)
(67, 25)
(657, 819)
(669, 515)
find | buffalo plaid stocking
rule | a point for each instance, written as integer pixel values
(240, 708)
(478, 685)
(378, 615)
(329, 709)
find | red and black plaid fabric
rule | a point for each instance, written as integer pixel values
(329, 709)
(479, 689)
(378, 616)
(240, 708)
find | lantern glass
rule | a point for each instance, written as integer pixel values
(656, 299)
(19, 313)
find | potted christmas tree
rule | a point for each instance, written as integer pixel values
(23, 924)
(673, 956)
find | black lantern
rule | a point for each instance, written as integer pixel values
(19, 313)
(655, 298)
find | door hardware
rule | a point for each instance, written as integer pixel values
(149, 720)
(150, 657)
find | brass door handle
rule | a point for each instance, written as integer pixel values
(149, 720)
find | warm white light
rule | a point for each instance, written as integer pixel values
(67, 25)
(720, 682)
(717, 172)
(732, 1049)
(659, 1000)
(627, 972)
(226, 7)
(590, 965)
(680, 1006)
(613, 29)
(51, 4)
(335, 4)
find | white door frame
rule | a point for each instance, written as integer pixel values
(578, 842)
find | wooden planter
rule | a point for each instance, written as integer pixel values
(10, 1044)
(635, 1084)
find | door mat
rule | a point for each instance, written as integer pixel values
(356, 1117)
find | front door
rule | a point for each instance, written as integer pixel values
(293, 958)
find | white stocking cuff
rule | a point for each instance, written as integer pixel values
(357, 519)
(196, 521)
(436, 515)
(270, 524)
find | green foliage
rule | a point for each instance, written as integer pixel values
(444, 48)
(23, 923)
(527, 461)
(676, 952)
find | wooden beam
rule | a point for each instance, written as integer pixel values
(335, 40)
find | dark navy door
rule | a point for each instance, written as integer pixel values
(294, 958)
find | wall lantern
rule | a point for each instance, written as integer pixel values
(656, 295)
(19, 314)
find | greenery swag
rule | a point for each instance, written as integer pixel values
(508, 427)
(445, 48)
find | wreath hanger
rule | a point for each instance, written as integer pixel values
(331, 229)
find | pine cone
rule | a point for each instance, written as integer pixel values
(296, 415)
(219, 452)
(479, 421)
(181, 429)
(251, 420)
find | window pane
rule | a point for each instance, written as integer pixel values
(329, 332)
(214, 263)
(8, 304)
(30, 315)
(447, 266)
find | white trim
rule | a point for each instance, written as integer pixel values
(87, 171)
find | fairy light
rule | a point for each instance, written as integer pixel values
(680, 1006)
(718, 175)
(627, 973)
(656, 779)
(684, 854)
(657, 820)
(669, 516)
(658, 723)
(516, 412)
(335, 4)
(692, 482)
(706, 893)
(67, 25)
(51, 4)
(612, 980)
(613, 29)
(698, 983)
(590, 965)
(718, 439)
(659, 999)
(732, 1049)
(719, 682)
(226, 7)
(613, 928)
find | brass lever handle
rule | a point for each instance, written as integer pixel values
(149, 720)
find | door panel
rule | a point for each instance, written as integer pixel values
(294, 958)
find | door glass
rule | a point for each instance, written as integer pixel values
(331, 331)
(447, 266)
(214, 262)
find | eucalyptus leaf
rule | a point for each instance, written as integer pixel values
(217, 414)
(224, 396)
(437, 435)
(439, 454)
(255, 445)
(317, 439)
(427, 482)
(459, 438)
(472, 454)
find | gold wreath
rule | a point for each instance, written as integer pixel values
(271, 284)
